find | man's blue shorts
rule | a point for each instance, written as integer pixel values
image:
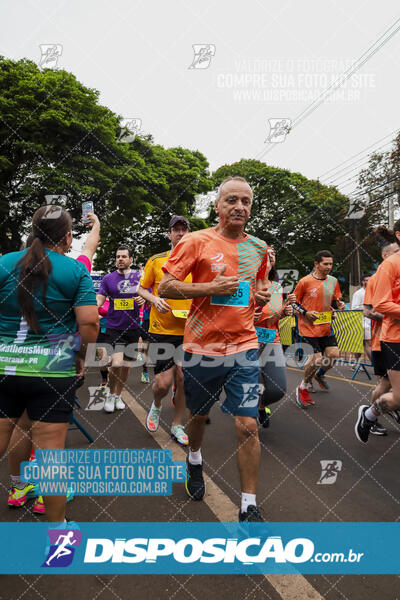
(237, 374)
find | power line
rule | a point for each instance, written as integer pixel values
(361, 61)
(355, 165)
(358, 153)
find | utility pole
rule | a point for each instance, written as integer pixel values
(354, 215)
(391, 205)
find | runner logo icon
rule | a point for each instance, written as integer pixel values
(62, 547)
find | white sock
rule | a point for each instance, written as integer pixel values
(195, 457)
(16, 482)
(370, 415)
(303, 385)
(247, 500)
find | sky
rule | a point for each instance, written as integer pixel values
(255, 61)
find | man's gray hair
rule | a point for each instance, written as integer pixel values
(230, 178)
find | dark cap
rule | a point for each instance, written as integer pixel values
(178, 219)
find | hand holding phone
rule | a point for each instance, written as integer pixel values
(87, 207)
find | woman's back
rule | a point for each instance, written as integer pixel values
(50, 351)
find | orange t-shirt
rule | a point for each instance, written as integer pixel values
(214, 328)
(316, 295)
(273, 308)
(386, 298)
(376, 326)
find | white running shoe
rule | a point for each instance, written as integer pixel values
(179, 436)
(310, 388)
(109, 404)
(153, 418)
(119, 403)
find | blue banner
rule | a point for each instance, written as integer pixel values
(99, 472)
(200, 548)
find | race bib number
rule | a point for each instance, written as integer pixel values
(265, 336)
(123, 303)
(180, 314)
(324, 317)
(240, 298)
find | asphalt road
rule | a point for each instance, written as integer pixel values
(366, 489)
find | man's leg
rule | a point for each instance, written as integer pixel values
(161, 386)
(248, 455)
(312, 365)
(303, 398)
(329, 360)
(179, 399)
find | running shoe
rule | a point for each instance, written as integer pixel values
(173, 394)
(323, 384)
(119, 403)
(140, 357)
(109, 404)
(378, 429)
(303, 398)
(194, 483)
(145, 377)
(363, 425)
(39, 507)
(179, 436)
(264, 416)
(395, 415)
(310, 388)
(153, 418)
(17, 497)
(252, 514)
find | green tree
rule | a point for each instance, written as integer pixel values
(55, 138)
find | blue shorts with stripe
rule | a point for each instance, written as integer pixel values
(237, 374)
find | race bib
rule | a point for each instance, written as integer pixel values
(265, 336)
(324, 317)
(180, 314)
(123, 303)
(240, 298)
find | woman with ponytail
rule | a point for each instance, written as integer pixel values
(386, 301)
(48, 315)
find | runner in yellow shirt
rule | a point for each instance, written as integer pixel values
(167, 324)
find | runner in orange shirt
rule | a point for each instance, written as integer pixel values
(383, 384)
(220, 340)
(316, 295)
(385, 300)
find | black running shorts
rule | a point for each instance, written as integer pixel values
(165, 351)
(46, 399)
(319, 344)
(378, 362)
(391, 355)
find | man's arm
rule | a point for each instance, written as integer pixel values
(93, 238)
(160, 304)
(171, 287)
(370, 313)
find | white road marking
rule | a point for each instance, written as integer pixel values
(289, 587)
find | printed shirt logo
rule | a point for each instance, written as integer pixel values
(313, 292)
(126, 287)
(62, 547)
(217, 265)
